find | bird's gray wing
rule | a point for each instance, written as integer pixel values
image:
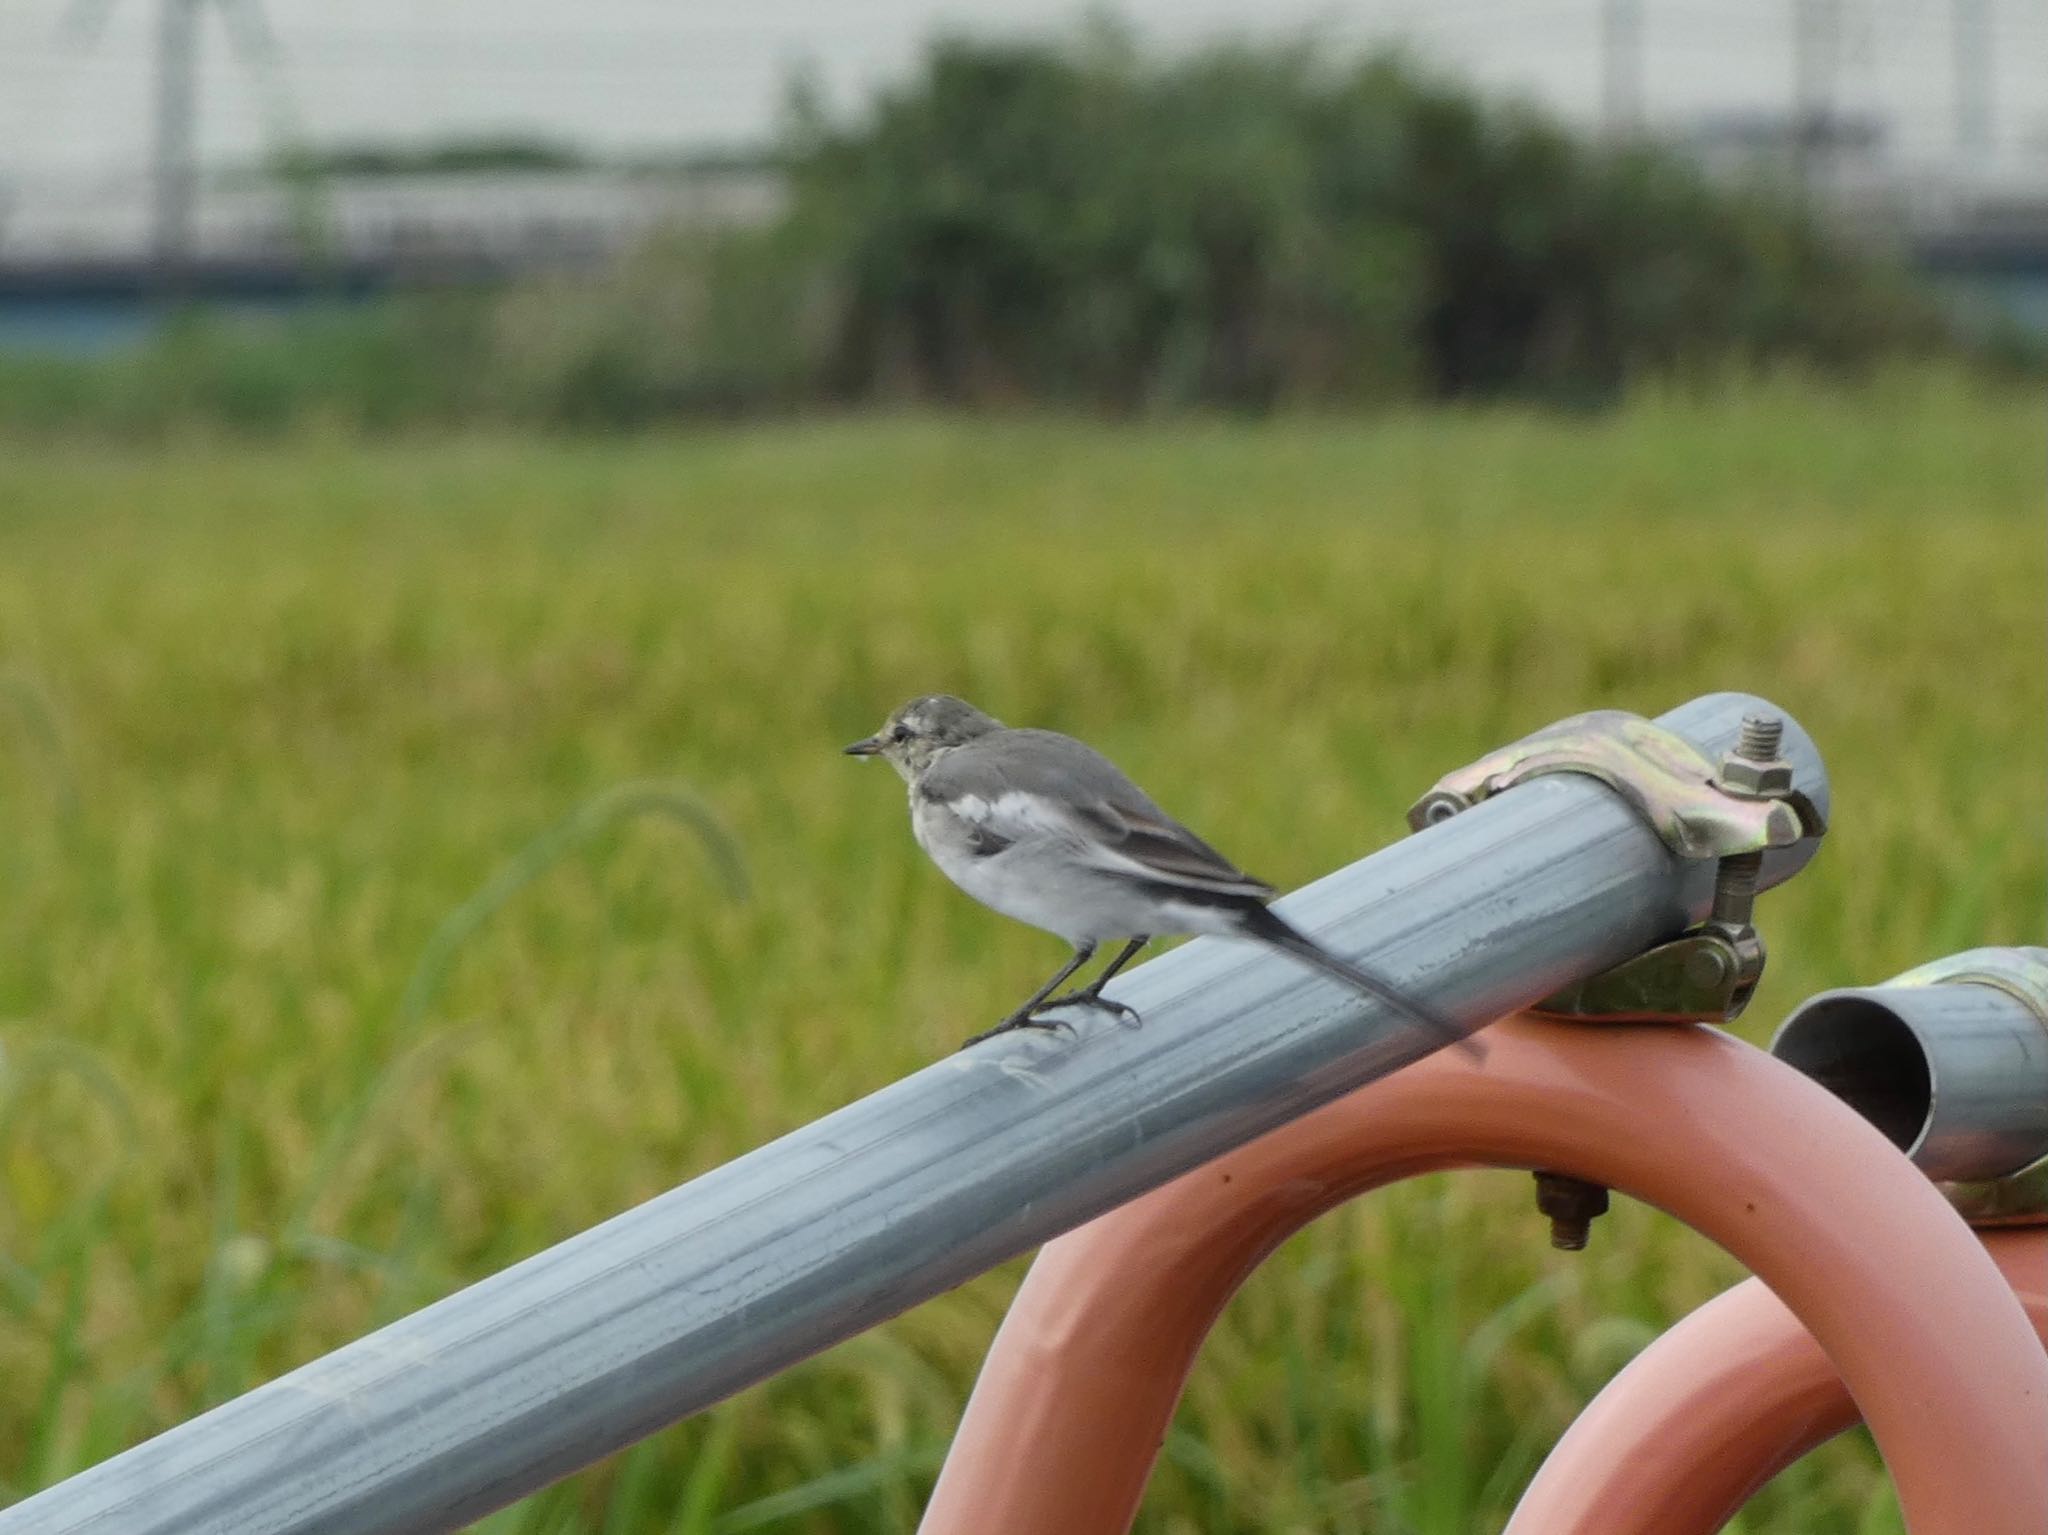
(1018, 785)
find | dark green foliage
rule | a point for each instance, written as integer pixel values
(1244, 227)
(1025, 222)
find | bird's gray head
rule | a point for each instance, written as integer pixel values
(923, 728)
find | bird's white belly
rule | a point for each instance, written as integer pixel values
(1043, 881)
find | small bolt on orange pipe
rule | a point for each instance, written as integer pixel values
(1073, 1403)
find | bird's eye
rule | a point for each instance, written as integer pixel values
(900, 733)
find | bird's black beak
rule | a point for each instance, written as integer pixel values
(867, 746)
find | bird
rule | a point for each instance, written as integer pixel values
(1043, 828)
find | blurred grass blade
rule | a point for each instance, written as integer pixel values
(704, 1488)
(39, 725)
(834, 1487)
(620, 803)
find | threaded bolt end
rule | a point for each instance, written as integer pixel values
(1761, 736)
(1735, 881)
(1572, 1205)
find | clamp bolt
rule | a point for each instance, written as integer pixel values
(1754, 769)
(1572, 1205)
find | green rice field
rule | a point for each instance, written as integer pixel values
(415, 851)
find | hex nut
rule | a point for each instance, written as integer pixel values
(1756, 780)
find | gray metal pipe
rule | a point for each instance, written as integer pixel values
(574, 1353)
(1954, 1073)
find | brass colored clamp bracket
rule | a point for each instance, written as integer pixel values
(1731, 813)
(2019, 973)
(1667, 780)
(2019, 1198)
(1701, 976)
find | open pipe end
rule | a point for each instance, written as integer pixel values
(1866, 1055)
(1955, 1075)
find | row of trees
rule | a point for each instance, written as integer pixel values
(1244, 227)
(1082, 224)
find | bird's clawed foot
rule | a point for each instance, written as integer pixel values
(1123, 1012)
(1018, 1021)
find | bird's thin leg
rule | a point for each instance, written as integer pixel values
(1021, 1018)
(1091, 994)
(1130, 952)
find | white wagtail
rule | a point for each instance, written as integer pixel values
(1046, 829)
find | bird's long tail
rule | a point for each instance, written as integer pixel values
(1269, 927)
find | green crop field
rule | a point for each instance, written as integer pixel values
(360, 929)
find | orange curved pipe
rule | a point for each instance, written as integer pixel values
(1716, 1407)
(1073, 1402)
